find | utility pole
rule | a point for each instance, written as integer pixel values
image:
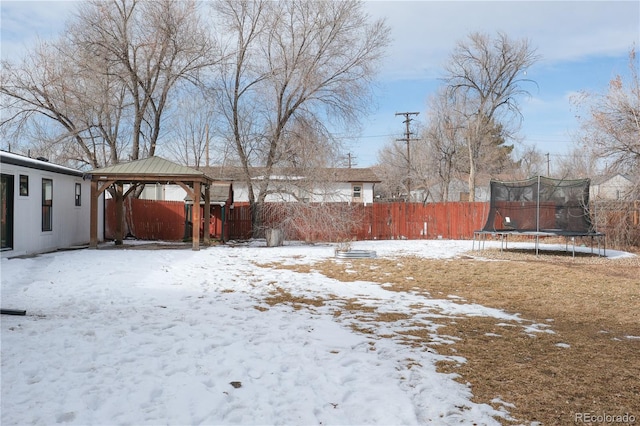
(407, 138)
(548, 164)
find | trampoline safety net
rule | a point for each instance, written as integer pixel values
(540, 204)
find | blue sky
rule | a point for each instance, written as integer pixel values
(582, 44)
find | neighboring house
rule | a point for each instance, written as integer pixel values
(348, 185)
(44, 207)
(329, 185)
(611, 187)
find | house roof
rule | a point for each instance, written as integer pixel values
(326, 174)
(599, 180)
(219, 192)
(36, 163)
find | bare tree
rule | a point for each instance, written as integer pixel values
(107, 83)
(58, 103)
(392, 170)
(576, 164)
(486, 76)
(444, 139)
(610, 133)
(531, 163)
(611, 127)
(296, 64)
(154, 45)
(405, 167)
(193, 132)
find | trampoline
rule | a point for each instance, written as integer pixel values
(540, 207)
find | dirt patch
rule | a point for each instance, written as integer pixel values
(587, 359)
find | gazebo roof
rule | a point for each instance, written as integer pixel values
(149, 169)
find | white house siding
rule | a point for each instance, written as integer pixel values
(70, 223)
(334, 192)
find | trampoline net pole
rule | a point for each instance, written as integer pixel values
(538, 207)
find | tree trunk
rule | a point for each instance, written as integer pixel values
(472, 172)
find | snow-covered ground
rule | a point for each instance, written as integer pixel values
(175, 336)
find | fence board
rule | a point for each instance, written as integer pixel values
(384, 221)
(165, 220)
(147, 219)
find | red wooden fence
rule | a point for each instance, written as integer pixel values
(147, 219)
(412, 221)
(165, 220)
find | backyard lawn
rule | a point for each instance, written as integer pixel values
(586, 365)
(428, 332)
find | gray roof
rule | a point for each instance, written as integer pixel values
(156, 166)
(325, 174)
(36, 163)
(219, 193)
(599, 180)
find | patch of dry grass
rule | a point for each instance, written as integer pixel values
(281, 296)
(591, 363)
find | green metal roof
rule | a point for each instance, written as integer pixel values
(152, 166)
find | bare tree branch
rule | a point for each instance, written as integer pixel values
(487, 76)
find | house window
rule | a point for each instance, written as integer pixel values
(357, 192)
(47, 204)
(78, 194)
(24, 185)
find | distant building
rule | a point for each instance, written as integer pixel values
(348, 185)
(611, 187)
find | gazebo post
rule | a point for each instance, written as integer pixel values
(207, 215)
(119, 213)
(196, 216)
(93, 224)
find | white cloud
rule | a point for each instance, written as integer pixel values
(425, 32)
(23, 22)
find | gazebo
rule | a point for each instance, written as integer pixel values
(139, 172)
